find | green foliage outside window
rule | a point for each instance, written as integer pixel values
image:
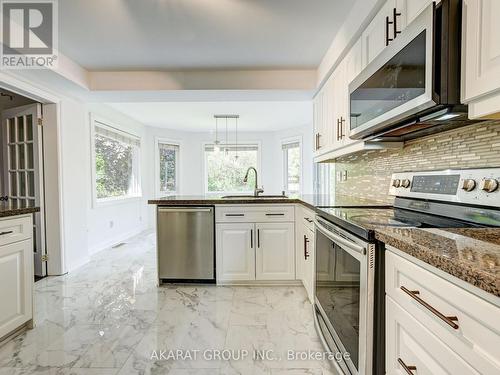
(114, 167)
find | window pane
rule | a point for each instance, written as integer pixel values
(226, 169)
(114, 167)
(293, 169)
(168, 165)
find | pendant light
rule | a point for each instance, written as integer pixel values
(226, 145)
(216, 142)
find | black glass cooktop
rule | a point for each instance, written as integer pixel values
(363, 221)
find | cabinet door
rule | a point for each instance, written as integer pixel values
(275, 253)
(308, 267)
(235, 252)
(16, 278)
(319, 121)
(409, 343)
(481, 49)
(390, 20)
(300, 231)
(415, 7)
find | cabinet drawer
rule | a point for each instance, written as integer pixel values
(431, 300)
(254, 213)
(15, 229)
(307, 217)
(411, 344)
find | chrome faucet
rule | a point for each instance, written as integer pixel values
(256, 190)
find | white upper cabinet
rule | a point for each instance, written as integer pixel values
(384, 28)
(415, 7)
(481, 58)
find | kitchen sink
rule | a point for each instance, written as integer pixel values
(253, 197)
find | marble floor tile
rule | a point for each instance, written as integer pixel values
(109, 317)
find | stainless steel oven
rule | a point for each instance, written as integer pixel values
(344, 296)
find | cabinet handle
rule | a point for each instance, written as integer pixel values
(338, 131)
(342, 121)
(251, 238)
(308, 220)
(281, 214)
(258, 238)
(306, 253)
(8, 232)
(395, 15)
(409, 369)
(316, 141)
(387, 23)
(318, 145)
(450, 320)
(235, 215)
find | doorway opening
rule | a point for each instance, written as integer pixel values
(22, 165)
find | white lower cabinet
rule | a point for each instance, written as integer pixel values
(261, 250)
(436, 326)
(235, 255)
(274, 257)
(308, 270)
(412, 346)
(16, 274)
(304, 254)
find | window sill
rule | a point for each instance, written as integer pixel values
(116, 201)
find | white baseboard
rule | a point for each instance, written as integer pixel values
(260, 283)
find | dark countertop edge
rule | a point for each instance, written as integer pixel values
(216, 201)
(7, 212)
(465, 272)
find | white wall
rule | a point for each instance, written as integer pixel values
(88, 229)
(192, 162)
(111, 223)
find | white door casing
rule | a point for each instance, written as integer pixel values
(22, 138)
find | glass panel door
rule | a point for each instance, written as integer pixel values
(338, 292)
(23, 168)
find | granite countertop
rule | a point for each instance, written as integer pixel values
(470, 254)
(9, 209)
(312, 201)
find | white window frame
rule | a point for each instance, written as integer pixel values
(168, 141)
(105, 123)
(205, 168)
(284, 162)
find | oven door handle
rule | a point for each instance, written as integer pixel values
(351, 245)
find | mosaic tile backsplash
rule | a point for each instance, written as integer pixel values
(369, 173)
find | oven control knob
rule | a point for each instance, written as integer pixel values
(489, 185)
(396, 183)
(405, 183)
(469, 184)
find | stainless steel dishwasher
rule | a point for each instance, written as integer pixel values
(186, 244)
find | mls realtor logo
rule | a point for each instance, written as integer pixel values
(29, 34)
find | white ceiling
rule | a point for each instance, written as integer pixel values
(198, 116)
(198, 34)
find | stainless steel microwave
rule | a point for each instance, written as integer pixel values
(412, 88)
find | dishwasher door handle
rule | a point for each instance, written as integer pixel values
(174, 209)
